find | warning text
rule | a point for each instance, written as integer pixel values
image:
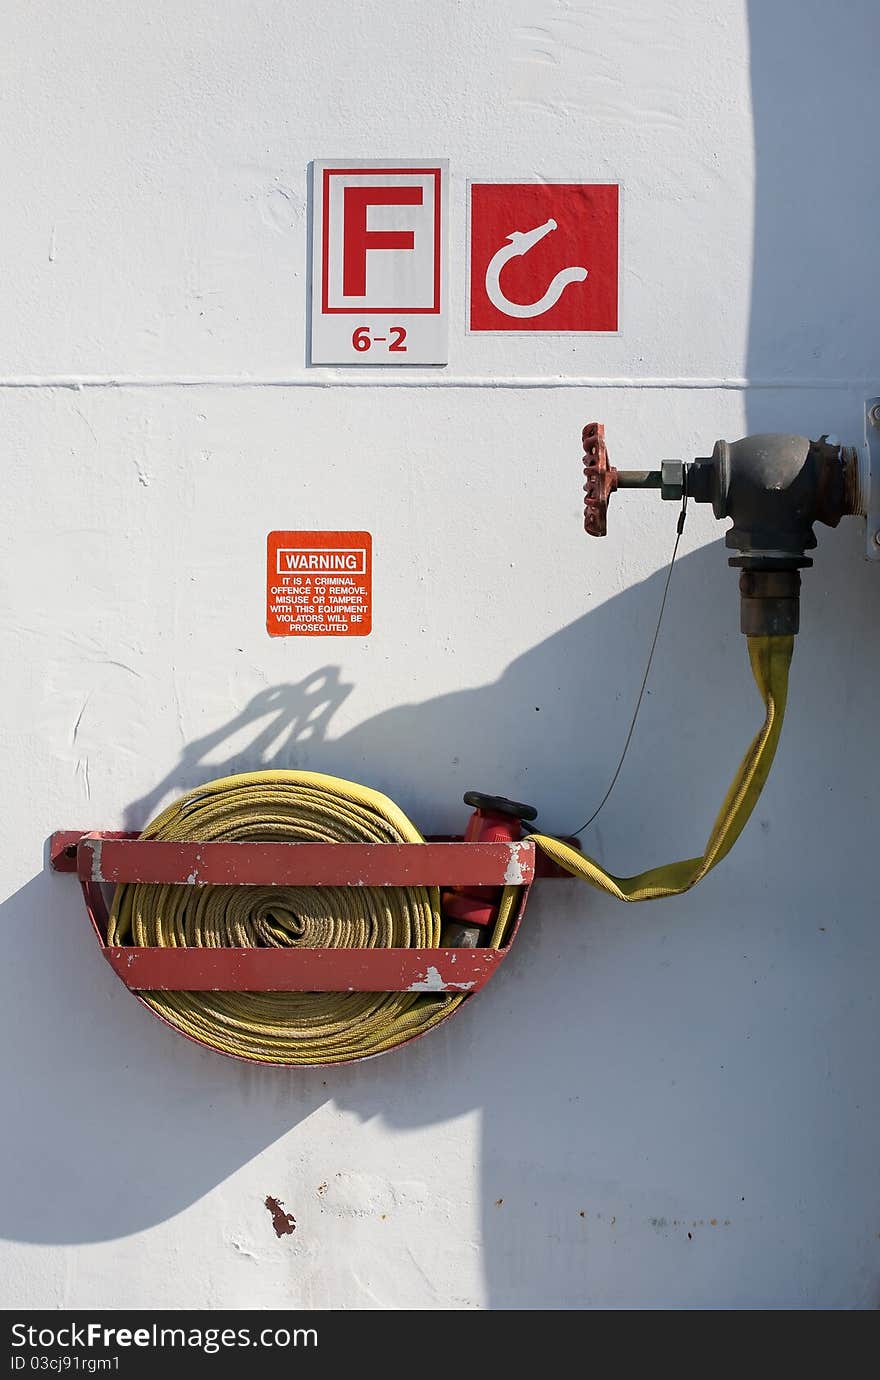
(319, 583)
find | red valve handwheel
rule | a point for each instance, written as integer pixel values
(601, 480)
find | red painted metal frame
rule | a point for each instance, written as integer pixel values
(120, 857)
(64, 844)
(304, 864)
(304, 970)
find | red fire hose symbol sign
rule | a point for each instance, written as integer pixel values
(544, 256)
(517, 244)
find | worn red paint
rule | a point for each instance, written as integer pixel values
(64, 845)
(478, 905)
(303, 970)
(103, 858)
(331, 969)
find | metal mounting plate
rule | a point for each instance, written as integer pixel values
(872, 448)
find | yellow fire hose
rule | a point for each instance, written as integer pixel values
(330, 1027)
(771, 659)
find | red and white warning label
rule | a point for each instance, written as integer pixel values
(319, 584)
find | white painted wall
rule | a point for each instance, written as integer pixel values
(634, 1076)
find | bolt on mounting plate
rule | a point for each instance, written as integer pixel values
(872, 485)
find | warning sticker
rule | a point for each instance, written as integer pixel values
(319, 584)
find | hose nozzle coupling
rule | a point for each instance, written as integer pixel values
(769, 603)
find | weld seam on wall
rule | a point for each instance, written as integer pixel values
(331, 380)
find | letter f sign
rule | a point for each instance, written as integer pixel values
(379, 263)
(357, 240)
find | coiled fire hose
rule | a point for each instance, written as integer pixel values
(330, 1027)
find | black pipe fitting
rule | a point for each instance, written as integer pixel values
(773, 488)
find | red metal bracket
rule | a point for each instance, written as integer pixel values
(64, 845)
(103, 859)
(124, 857)
(304, 970)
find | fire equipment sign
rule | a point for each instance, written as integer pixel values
(379, 263)
(319, 584)
(544, 256)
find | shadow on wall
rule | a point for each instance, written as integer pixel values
(282, 720)
(128, 1139)
(815, 275)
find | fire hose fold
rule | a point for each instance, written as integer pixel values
(771, 659)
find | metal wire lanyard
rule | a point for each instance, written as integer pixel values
(678, 531)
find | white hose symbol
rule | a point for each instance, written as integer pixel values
(520, 242)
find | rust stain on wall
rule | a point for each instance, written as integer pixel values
(283, 1222)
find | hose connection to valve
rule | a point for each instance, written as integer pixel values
(773, 488)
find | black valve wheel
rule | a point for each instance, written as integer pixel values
(500, 805)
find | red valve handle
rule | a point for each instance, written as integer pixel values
(601, 480)
(495, 820)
